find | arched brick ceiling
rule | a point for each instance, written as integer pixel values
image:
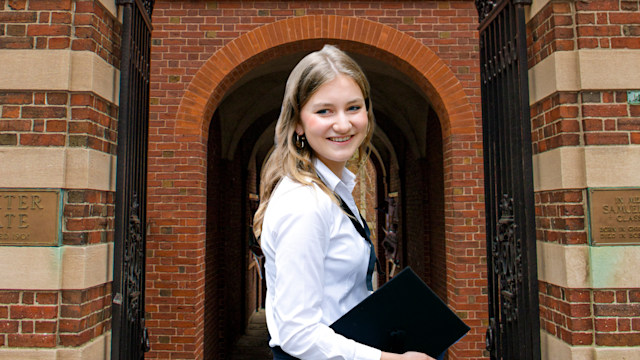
(396, 98)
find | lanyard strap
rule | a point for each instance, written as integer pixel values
(365, 233)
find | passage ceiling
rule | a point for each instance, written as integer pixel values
(250, 108)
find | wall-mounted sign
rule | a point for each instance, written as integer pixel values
(29, 217)
(615, 216)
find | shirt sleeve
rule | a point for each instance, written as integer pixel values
(301, 241)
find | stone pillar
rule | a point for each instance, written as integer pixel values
(586, 142)
(58, 121)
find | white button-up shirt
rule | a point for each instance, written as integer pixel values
(316, 266)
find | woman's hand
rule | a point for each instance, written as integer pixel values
(409, 355)
(412, 355)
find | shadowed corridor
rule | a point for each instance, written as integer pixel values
(254, 343)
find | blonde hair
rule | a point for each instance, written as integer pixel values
(305, 79)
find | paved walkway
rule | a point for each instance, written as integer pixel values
(254, 344)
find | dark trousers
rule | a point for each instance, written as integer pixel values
(278, 354)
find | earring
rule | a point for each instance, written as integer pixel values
(300, 141)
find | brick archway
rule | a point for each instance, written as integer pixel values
(308, 32)
(178, 171)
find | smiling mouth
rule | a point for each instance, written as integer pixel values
(340, 139)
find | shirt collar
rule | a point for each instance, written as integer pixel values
(330, 179)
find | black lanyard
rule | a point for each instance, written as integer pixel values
(365, 233)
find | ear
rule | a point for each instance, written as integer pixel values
(299, 129)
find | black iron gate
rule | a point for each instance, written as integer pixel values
(514, 329)
(129, 335)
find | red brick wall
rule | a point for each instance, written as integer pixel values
(582, 118)
(187, 33)
(234, 249)
(465, 237)
(88, 217)
(42, 118)
(61, 24)
(608, 119)
(606, 24)
(29, 318)
(416, 235)
(47, 319)
(55, 118)
(192, 69)
(33, 119)
(84, 314)
(255, 288)
(435, 207)
(214, 334)
(585, 117)
(59, 118)
(225, 293)
(573, 25)
(603, 317)
(94, 123)
(560, 217)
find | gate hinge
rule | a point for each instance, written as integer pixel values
(491, 332)
(117, 299)
(146, 344)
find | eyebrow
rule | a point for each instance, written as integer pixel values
(331, 104)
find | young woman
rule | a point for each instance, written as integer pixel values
(317, 263)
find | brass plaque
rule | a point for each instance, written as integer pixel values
(29, 217)
(615, 216)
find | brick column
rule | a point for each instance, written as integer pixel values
(58, 121)
(584, 130)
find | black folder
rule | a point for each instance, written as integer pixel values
(403, 315)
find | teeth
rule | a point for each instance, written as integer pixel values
(341, 139)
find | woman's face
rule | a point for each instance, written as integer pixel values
(334, 120)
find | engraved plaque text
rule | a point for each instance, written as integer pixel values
(615, 216)
(29, 217)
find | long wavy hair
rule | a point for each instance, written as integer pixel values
(286, 159)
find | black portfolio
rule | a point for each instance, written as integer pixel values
(403, 315)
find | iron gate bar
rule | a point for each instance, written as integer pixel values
(513, 290)
(129, 336)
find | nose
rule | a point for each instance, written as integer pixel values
(342, 124)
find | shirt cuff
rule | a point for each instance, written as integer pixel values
(364, 352)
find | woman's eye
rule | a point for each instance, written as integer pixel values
(322, 112)
(355, 108)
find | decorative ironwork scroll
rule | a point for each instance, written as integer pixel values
(148, 6)
(129, 336)
(133, 258)
(507, 259)
(484, 8)
(514, 323)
